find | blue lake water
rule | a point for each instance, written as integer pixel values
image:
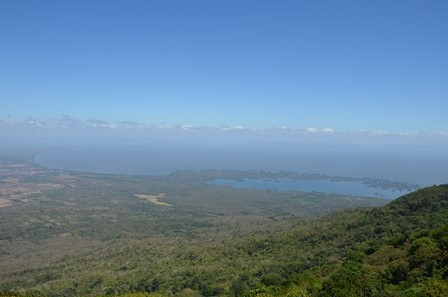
(353, 188)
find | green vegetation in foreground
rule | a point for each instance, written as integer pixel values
(73, 234)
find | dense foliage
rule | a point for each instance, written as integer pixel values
(398, 250)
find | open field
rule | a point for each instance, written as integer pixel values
(153, 198)
(5, 202)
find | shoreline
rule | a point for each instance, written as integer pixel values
(382, 185)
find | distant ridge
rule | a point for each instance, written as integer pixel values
(422, 201)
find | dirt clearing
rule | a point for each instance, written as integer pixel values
(153, 198)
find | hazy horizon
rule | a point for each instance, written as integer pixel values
(347, 87)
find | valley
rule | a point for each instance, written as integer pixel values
(67, 233)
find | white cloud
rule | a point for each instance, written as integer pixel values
(231, 128)
(67, 123)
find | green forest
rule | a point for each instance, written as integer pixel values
(81, 234)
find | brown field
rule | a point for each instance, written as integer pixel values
(153, 198)
(5, 202)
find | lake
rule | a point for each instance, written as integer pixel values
(353, 188)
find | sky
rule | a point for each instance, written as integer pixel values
(324, 65)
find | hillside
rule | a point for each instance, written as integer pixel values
(400, 249)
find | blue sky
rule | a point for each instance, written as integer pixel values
(344, 65)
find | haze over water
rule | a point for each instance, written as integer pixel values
(421, 165)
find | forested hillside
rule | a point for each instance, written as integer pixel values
(397, 250)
